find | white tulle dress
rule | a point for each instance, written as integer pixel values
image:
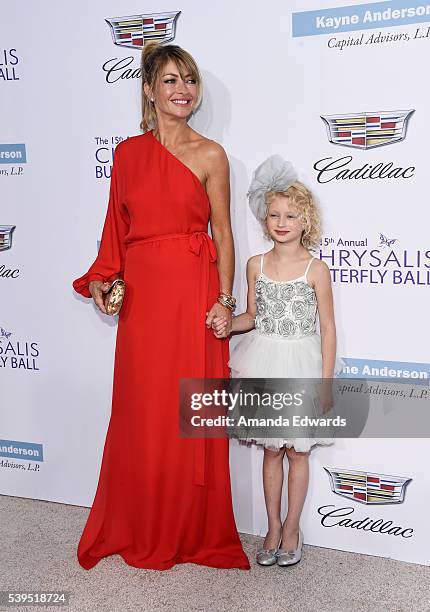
(284, 343)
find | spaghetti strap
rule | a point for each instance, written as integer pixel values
(308, 266)
(261, 263)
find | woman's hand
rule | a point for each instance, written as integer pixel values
(220, 319)
(97, 288)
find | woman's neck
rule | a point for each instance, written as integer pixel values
(170, 133)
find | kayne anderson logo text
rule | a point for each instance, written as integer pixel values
(21, 450)
(367, 130)
(368, 487)
(29, 454)
(133, 32)
(355, 367)
(13, 155)
(359, 17)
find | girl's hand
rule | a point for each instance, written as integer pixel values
(325, 395)
(219, 325)
(215, 317)
(97, 288)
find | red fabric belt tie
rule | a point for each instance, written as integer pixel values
(196, 241)
(202, 245)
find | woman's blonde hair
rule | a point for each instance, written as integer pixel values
(302, 199)
(154, 58)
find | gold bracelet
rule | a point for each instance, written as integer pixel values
(227, 294)
(226, 303)
(228, 297)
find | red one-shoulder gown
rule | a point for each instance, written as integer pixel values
(166, 499)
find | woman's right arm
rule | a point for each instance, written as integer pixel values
(109, 263)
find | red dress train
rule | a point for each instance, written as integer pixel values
(160, 499)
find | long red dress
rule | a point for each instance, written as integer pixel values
(160, 499)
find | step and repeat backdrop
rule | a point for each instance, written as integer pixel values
(338, 88)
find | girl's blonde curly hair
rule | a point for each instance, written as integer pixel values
(303, 201)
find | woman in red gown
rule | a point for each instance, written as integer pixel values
(162, 499)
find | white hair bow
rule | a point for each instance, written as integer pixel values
(274, 174)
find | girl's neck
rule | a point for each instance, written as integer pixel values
(290, 252)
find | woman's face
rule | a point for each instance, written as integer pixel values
(174, 95)
(283, 220)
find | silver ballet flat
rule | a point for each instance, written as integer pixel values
(266, 556)
(290, 557)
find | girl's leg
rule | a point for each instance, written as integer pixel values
(298, 479)
(273, 476)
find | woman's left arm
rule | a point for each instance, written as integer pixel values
(323, 291)
(218, 190)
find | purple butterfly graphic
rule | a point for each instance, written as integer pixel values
(386, 241)
(4, 333)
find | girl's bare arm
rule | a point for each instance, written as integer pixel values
(321, 279)
(246, 320)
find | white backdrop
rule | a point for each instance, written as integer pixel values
(266, 88)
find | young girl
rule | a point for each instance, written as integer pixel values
(287, 286)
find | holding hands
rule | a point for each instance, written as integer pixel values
(219, 318)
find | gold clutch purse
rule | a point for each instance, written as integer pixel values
(114, 297)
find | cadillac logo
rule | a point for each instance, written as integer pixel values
(366, 487)
(367, 130)
(6, 236)
(135, 30)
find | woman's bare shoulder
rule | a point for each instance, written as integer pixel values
(209, 149)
